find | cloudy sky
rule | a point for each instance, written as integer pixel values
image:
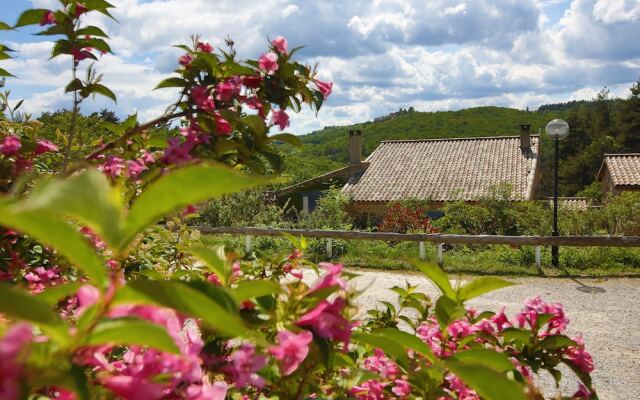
(381, 54)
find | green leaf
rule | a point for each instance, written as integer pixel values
(4, 72)
(488, 383)
(132, 332)
(252, 289)
(288, 138)
(438, 277)
(171, 82)
(87, 197)
(447, 310)
(91, 31)
(256, 124)
(492, 359)
(408, 341)
(481, 286)
(517, 335)
(180, 188)
(391, 348)
(182, 298)
(214, 259)
(52, 295)
(557, 342)
(97, 88)
(30, 17)
(74, 85)
(58, 234)
(21, 305)
(98, 44)
(4, 26)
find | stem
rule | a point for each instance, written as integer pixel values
(138, 129)
(74, 119)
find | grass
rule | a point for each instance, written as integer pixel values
(596, 262)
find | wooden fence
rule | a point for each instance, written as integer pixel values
(437, 238)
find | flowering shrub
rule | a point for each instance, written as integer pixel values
(100, 300)
(402, 217)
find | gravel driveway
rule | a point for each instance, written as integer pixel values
(609, 321)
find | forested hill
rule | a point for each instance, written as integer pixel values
(599, 126)
(326, 149)
(331, 142)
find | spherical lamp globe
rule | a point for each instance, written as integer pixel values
(557, 129)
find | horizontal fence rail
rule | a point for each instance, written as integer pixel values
(580, 241)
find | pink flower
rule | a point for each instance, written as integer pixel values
(324, 87)
(255, 104)
(252, 82)
(87, 296)
(326, 321)
(177, 152)
(133, 387)
(215, 279)
(381, 364)
(226, 91)
(582, 393)
(401, 388)
(501, 320)
(291, 350)
(10, 145)
(48, 18)
(113, 167)
(11, 345)
(202, 99)
(44, 146)
(185, 60)
(80, 9)
(223, 127)
(135, 168)
(460, 329)
(369, 390)
(268, 63)
(330, 279)
(280, 118)
(244, 365)
(80, 54)
(204, 47)
(40, 278)
(280, 43)
(217, 391)
(579, 356)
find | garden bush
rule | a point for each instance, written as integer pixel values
(107, 292)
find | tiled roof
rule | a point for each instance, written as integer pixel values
(446, 169)
(574, 203)
(624, 168)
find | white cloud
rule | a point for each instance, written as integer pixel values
(380, 54)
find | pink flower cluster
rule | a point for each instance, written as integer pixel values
(40, 278)
(136, 375)
(115, 167)
(11, 347)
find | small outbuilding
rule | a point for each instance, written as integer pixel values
(620, 172)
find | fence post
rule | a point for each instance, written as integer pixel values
(440, 255)
(248, 244)
(329, 248)
(305, 205)
(423, 251)
(538, 258)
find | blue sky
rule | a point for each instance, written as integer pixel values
(381, 54)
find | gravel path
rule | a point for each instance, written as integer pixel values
(609, 321)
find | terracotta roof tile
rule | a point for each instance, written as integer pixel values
(624, 168)
(445, 169)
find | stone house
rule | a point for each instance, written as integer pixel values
(620, 172)
(436, 170)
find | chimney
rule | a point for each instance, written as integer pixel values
(355, 147)
(525, 137)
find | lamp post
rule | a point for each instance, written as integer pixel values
(557, 130)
